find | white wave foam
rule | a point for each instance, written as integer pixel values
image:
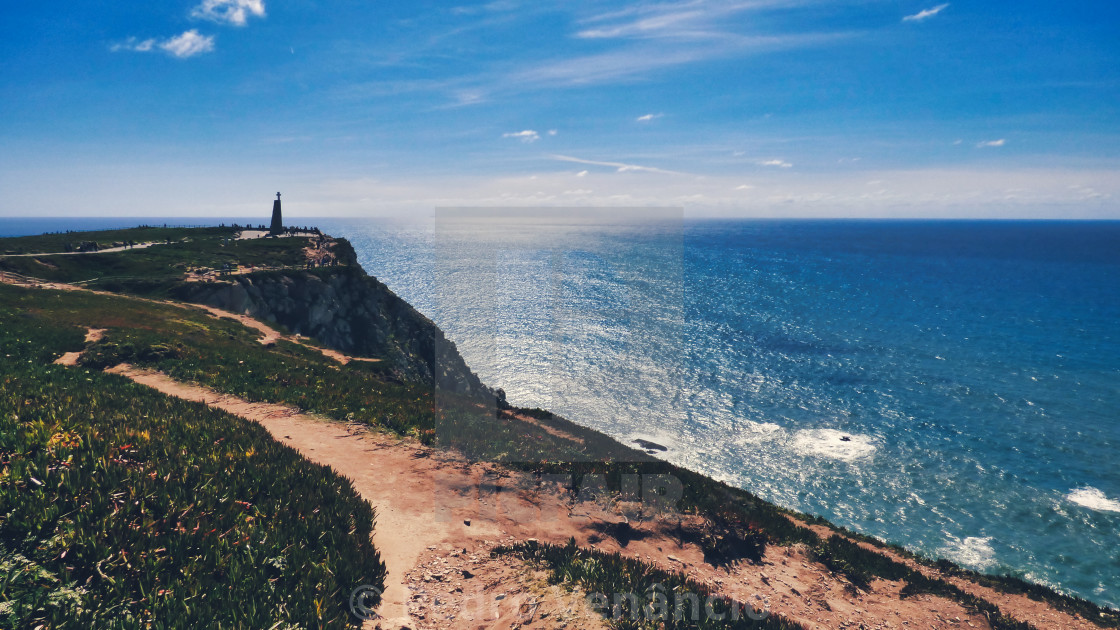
(755, 433)
(1093, 499)
(973, 552)
(834, 444)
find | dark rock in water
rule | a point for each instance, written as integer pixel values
(845, 438)
(650, 447)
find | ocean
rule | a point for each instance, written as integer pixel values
(953, 387)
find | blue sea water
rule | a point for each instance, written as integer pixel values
(974, 367)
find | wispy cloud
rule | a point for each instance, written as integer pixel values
(776, 162)
(635, 61)
(134, 44)
(601, 68)
(991, 143)
(702, 36)
(926, 13)
(621, 166)
(648, 117)
(673, 24)
(234, 12)
(689, 19)
(490, 7)
(645, 37)
(188, 44)
(525, 136)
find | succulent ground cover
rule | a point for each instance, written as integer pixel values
(120, 507)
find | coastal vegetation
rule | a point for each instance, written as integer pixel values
(635, 595)
(153, 270)
(123, 508)
(70, 241)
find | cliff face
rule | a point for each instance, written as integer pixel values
(349, 311)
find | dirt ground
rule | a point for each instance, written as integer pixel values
(438, 517)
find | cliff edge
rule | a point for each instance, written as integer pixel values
(350, 311)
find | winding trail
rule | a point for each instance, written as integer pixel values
(438, 516)
(270, 335)
(386, 472)
(93, 335)
(107, 250)
(426, 500)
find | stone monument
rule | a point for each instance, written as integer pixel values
(277, 227)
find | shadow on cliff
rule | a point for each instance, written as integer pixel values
(345, 309)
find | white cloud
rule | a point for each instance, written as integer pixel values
(776, 162)
(682, 20)
(991, 143)
(926, 13)
(630, 61)
(704, 34)
(525, 136)
(188, 44)
(581, 174)
(491, 7)
(552, 132)
(621, 166)
(134, 44)
(665, 25)
(234, 12)
(649, 117)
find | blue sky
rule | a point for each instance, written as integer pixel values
(752, 108)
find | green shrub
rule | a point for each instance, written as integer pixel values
(631, 594)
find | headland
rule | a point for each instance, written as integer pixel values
(214, 430)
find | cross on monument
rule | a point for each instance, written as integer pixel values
(278, 195)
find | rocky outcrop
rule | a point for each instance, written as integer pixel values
(347, 310)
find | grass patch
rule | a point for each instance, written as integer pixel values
(103, 239)
(123, 508)
(860, 566)
(154, 270)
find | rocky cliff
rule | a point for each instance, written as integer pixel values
(347, 310)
